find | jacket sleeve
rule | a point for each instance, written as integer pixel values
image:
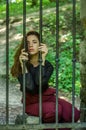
(29, 84)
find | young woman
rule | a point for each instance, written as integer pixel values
(31, 57)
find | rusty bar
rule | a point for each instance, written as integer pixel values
(57, 56)
(7, 62)
(43, 126)
(74, 56)
(40, 66)
(24, 41)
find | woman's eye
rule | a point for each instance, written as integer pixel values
(34, 42)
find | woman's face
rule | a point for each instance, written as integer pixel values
(33, 44)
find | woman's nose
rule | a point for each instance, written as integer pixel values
(31, 44)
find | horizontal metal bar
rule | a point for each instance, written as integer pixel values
(43, 126)
(83, 108)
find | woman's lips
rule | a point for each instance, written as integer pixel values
(31, 49)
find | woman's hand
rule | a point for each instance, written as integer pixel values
(43, 48)
(23, 57)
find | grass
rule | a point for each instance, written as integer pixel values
(16, 9)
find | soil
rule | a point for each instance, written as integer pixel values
(15, 105)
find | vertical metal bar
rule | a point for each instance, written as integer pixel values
(7, 62)
(57, 56)
(24, 41)
(74, 58)
(40, 65)
(41, 13)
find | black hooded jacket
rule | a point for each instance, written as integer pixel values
(32, 78)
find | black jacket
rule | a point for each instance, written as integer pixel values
(32, 78)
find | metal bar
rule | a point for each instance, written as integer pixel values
(57, 56)
(74, 57)
(83, 108)
(40, 23)
(43, 126)
(7, 62)
(40, 67)
(24, 41)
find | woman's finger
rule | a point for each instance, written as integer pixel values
(22, 50)
(24, 53)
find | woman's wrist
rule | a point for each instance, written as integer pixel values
(24, 69)
(43, 61)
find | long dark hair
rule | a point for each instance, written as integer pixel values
(16, 68)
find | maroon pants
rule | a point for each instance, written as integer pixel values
(49, 108)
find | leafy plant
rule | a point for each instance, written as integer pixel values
(65, 68)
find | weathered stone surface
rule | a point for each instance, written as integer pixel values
(28, 119)
(83, 52)
(83, 9)
(83, 69)
(83, 112)
(82, 95)
(83, 80)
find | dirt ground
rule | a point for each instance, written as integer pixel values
(15, 105)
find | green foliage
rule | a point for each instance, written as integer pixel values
(65, 68)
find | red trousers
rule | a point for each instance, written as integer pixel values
(49, 108)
